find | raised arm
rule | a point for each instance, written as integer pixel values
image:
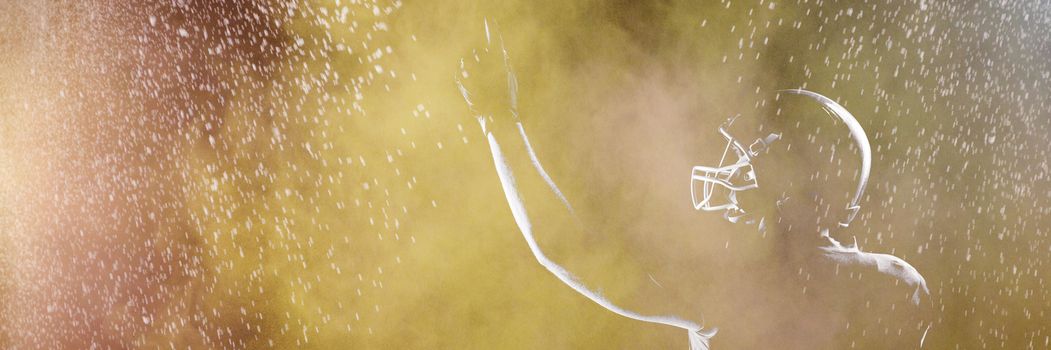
(495, 107)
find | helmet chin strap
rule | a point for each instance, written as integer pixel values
(860, 138)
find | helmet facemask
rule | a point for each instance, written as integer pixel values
(720, 185)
